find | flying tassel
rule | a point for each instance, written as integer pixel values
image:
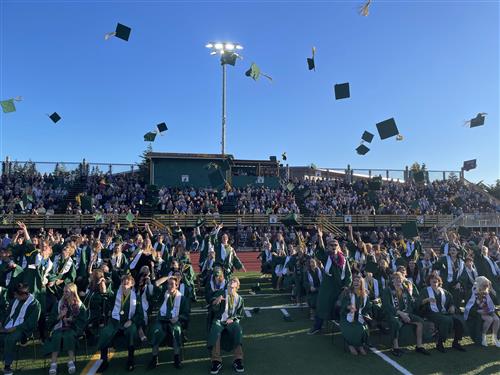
(364, 10)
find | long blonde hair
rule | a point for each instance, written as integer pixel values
(483, 285)
(75, 299)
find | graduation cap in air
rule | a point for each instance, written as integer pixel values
(387, 129)
(469, 164)
(342, 91)
(290, 186)
(55, 117)
(419, 176)
(310, 61)
(162, 127)
(215, 178)
(312, 166)
(283, 156)
(409, 229)
(367, 136)
(8, 105)
(256, 310)
(290, 219)
(375, 184)
(150, 136)
(362, 150)
(121, 32)
(130, 217)
(199, 222)
(229, 57)
(477, 121)
(255, 73)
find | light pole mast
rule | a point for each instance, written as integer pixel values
(228, 55)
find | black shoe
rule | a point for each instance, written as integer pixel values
(440, 347)
(153, 363)
(216, 367)
(238, 366)
(396, 352)
(103, 367)
(130, 365)
(177, 361)
(457, 346)
(422, 350)
(7, 370)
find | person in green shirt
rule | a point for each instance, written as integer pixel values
(19, 323)
(68, 320)
(226, 311)
(168, 327)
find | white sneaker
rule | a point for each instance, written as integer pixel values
(71, 367)
(484, 341)
(53, 369)
(496, 341)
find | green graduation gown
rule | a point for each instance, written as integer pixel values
(231, 335)
(353, 327)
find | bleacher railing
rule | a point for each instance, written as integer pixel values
(229, 220)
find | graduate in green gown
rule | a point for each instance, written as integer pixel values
(451, 268)
(19, 323)
(399, 307)
(98, 301)
(225, 255)
(173, 313)
(266, 258)
(63, 271)
(312, 281)
(480, 309)
(118, 263)
(355, 312)
(126, 316)
(226, 311)
(436, 305)
(487, 266)
(336, 277)
(375, 288)
(10, 272)
(67, 321)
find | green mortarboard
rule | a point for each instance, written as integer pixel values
(477, 121)
(256, 310)
(362, 150)
(290, 186)
(290, 219)
(99, 218)
(387, 128)
(162, 127)
(254, 72)
(419, 176)
(228, 58)
(122, 32)
(8, 106)
(342, 91)
(310, 61)
(215, 178)
(464, 231)
(199, 222)
(367, 136)
(55, 117)
(130, 217)
(283, 156)
(469, 164)
(149, 137)
(313, 166)
(409, 229)
(86, 203)
(374, 184)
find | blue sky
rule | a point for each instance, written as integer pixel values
(429, 64)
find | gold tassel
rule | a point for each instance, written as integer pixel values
(365, 9)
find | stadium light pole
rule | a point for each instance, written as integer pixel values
(228, 55)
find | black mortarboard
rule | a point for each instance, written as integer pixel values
(409, 229)
(122, 32)
(283, 156)
(387, 128)
(367, 136)
(362, 150)
(469, 164)
(310, 60)
(55, 117)
(477, 121)
(149, 137)
(162, 127)
(228, 58)
(342, 91)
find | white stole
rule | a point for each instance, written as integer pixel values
(310, 278)
(410, 246)
(223, 252)
(118, 304)
(174, 313)
(376, 289)
(493, 266)
(136, 259)
(472, 301)
(434, 306)
(471, 273)
(329, 265)
(350, 315)
(226, 314)
(22, 313)
(450, 268)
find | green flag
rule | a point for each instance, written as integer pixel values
(8, 106)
